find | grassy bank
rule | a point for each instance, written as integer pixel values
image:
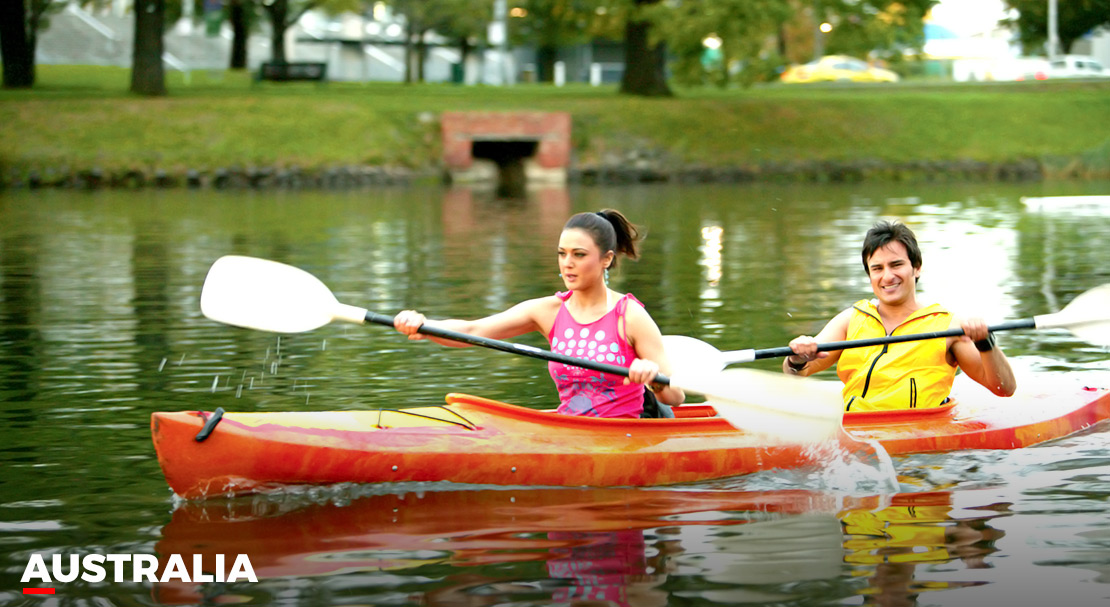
(82, 117)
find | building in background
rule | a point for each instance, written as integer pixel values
(964, 42)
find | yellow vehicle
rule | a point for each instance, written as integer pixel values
(837, 68)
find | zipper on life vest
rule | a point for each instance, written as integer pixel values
(913, 393)
(867, 382)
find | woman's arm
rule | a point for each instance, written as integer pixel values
(651, 356)
(526, 316)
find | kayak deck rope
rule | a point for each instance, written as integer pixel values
(465, 423)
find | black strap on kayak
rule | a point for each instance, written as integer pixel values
(465, 423)
(210, 424)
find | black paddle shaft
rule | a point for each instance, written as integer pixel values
(514, 348)
(893, 339)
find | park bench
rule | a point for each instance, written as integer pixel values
(286, 72)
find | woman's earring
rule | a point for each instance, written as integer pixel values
(606, 275)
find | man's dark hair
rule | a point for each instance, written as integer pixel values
(885, 232)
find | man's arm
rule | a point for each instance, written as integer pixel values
(806, 360)
(980, 358)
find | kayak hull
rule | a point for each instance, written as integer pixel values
(471, 440)
(479, 441)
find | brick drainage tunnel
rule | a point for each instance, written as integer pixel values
(525, 147)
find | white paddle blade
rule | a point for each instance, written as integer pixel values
(692, 354)
(783, 407)
(1086, 316)
(266, 295)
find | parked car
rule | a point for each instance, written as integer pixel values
(1076, 66)
(1022, 68)
(837, 68)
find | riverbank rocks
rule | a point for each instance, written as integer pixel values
(231, 178)
(814, 171)
(642, 170)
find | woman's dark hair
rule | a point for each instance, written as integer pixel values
(885, 232)
(610, 230)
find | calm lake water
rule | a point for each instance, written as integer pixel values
(100, 326)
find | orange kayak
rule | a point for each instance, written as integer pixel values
(480, 441)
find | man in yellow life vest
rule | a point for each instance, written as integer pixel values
(907, 375)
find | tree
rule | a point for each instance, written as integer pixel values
(284, 13)
(19, 59)
(741, 30)
(148, 76)
(417, 25)
(278, 12)
(645, 59)
(464, 21)
(20, 22)
(239, 13)
(550, 25)
(1074, 19)
(869, 27)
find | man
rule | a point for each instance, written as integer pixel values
(908, 375)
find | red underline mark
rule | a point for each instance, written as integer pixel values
(38, 591)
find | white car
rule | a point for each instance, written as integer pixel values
(1076, 66)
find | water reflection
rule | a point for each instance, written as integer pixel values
(606, 566)
(917, 531)
(621, 546)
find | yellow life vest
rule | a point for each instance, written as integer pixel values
(907, 375)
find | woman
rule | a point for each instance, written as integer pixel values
(588, 320)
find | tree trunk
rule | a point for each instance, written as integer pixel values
(17, 50)
(465, 49)
(545, 62)
(148, 77)
(279, 13)
(409, 54)
(644, 65)
(240, 33)
(421, 55)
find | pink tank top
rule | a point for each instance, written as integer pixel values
(592, 393)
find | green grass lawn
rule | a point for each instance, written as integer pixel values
(83, 117)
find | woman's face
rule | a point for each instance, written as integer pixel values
(580, 260)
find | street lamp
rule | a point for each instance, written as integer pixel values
(1053, 36)
(498, 36)
(819, 39)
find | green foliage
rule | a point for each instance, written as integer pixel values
(40, 11)
(1074, 19)
(743, 28)
(752, 34)
(609, 19)
(553, 23)
(765, 68)
(461, 19)
(869, 28)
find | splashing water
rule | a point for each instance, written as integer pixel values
(855, 468)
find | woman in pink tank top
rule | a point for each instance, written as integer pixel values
(588, 320)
